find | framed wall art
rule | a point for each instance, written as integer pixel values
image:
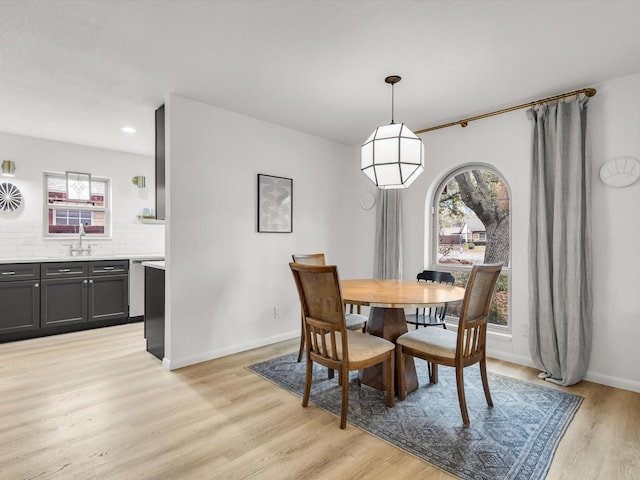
(275, 204)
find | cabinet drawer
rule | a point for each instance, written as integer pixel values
(64, 270)
(19, 271)
(107, 267)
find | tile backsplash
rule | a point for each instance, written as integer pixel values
(23, 239)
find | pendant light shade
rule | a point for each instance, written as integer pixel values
(392, 156)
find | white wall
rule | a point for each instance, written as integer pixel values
(21, 231)
(615, 132)
(223, 278)
(503, 141)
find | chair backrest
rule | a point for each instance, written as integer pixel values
(309, 258)
(436, 277)
(316, 259)
(321, 300)
(472, 328)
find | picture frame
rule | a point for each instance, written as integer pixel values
(275, 204)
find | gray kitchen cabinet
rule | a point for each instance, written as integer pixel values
(80, 292)
(154, 295)
(108, 290)
(64, 298)
(19, 297)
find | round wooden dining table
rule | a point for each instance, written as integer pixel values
(388, 299)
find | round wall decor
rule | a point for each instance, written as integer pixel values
(620, 172)
(367, 200)
(10, 197)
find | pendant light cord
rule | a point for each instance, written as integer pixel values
(392, 102)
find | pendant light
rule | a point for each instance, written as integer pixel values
(393, 156)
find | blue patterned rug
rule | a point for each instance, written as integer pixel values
(516, 439)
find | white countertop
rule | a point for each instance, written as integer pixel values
(158, 265)
(84, 258)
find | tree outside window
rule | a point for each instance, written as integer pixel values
(473, 226)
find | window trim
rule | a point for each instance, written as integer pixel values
(432, 260)
(106, 209)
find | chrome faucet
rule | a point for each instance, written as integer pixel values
(80, 250)
(81, 233)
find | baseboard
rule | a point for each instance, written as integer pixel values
(174, 364)
(510, 357)
(610, 381)
(594, 377)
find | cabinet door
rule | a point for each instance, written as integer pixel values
(108, 297)
(154, 295)
(63, 301)
(19, 306)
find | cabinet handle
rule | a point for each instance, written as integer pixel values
(8, 273)
(85, 281)
(90, 281)
(36, 285)
(108, 268)
(64, 270)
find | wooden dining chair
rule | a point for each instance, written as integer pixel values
(434, 315)
(456, 349)
(328, 340)
(355, 320)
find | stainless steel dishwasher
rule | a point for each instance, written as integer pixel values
(136, 288)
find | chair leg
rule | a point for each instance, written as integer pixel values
(307, 383)
(402, 392)
(301, 350)
(485, 382)
(345, 401)
(390, 386)
(433, 378)
(461, 396)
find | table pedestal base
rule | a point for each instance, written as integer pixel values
(389, 323)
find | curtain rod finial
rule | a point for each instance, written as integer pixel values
(590, 92)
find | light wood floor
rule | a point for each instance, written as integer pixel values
(96, 405)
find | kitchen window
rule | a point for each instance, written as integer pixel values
(73, 198)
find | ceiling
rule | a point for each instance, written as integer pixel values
(79, 71)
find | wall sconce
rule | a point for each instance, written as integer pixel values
(8, 168)
(140, 181)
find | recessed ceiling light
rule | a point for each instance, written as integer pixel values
(128, 130)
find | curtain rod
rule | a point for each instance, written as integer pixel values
(589, 92)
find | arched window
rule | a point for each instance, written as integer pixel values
(471, 224)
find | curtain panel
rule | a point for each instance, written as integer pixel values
(560, 264)
(388, 247)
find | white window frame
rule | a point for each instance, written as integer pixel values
(433, 235)
(91, 208)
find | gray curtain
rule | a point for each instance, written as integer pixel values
(560, 266)
(388, 250)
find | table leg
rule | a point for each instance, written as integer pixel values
(389, 323)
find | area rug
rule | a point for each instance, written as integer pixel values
(516, 439)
